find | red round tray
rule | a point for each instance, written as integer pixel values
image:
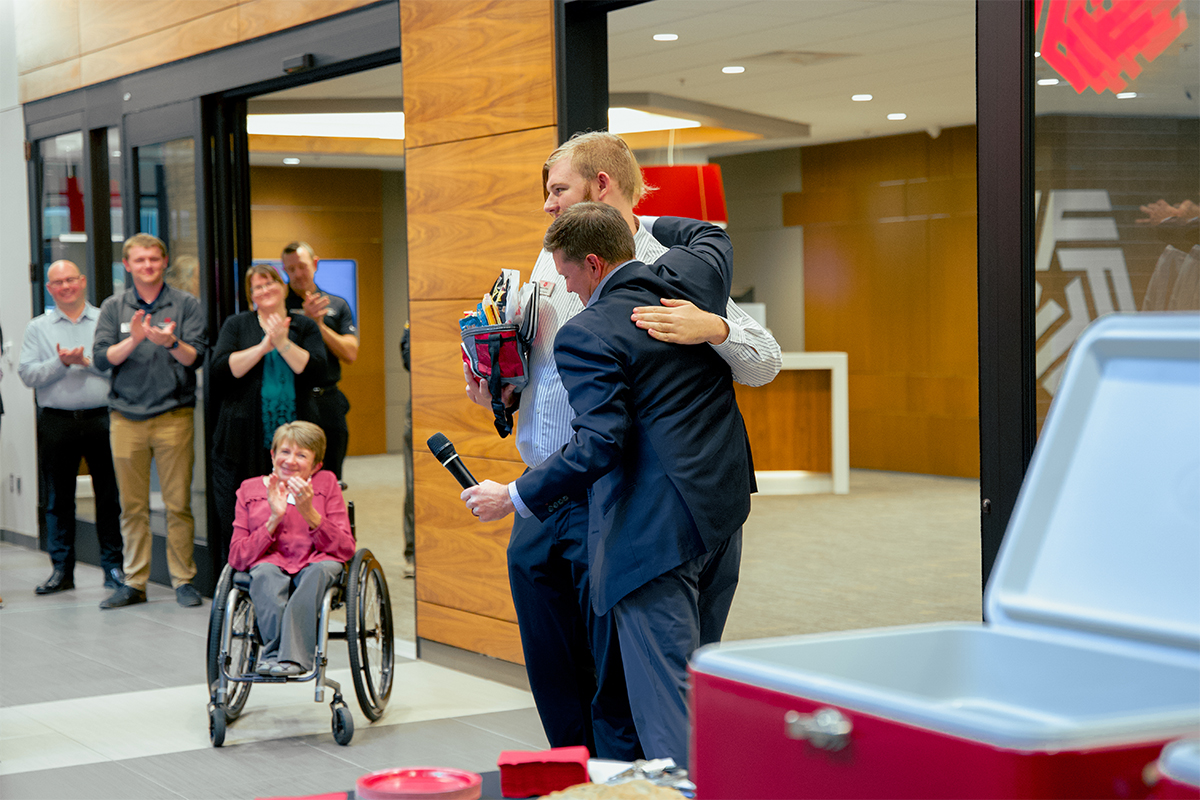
(419, 783)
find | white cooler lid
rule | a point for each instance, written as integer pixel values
(1105, 535)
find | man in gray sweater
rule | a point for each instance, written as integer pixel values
(153, 338)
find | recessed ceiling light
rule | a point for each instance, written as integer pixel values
(860, 98)
(291, 161)
(665, 37)
(116, 153)
(631, 120)
(733, 70)
(1048, 82)
(897, 116)
(1126, 95)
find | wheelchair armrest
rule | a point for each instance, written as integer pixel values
(241, 580)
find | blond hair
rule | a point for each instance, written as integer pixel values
(143, 240)
(304, 435)
(600, 151)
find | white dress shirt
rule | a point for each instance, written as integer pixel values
(70, 388)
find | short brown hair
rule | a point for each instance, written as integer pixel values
(600, 151)
(262, 269)
(143, 240)
(590, 228)
(292, 247)
(304, 435)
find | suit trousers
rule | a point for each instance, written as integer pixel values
(660, 625)
(331, 416)
(572, 657)
(289, 624)
(167, 439)
(65, 437)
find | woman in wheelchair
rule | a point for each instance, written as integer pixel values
(291, 532)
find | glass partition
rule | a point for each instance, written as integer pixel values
(1117, 168)
(63, 222)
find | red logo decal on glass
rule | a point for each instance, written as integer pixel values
(1091, 43)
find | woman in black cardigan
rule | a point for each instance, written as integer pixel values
(263, 370)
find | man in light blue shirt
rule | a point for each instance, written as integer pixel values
(72, 399)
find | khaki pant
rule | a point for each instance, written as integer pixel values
(167, 439)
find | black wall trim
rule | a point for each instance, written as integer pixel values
(1004, 112)
(339, 44)
(581, 50)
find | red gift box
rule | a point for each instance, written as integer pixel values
(534, 773)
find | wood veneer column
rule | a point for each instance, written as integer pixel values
(480, 118)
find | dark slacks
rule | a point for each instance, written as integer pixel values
(572, 656)
(64, 438)
(331, 408)
(660, 625)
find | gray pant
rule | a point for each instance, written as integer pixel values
(289, 625)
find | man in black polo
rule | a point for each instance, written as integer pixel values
(336, 323)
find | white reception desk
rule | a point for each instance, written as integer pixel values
(802, 481)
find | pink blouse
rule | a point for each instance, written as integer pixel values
(292, 546)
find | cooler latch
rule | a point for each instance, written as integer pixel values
(825, 729)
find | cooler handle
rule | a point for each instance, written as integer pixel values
(825, 729)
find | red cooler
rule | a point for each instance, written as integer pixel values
(1089, 662)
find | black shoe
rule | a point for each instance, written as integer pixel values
(186, 595)
(125, 596)
(57, 582)
(114, 578)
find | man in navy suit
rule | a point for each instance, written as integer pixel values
(660, 441)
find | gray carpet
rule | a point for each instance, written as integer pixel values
(898, 549)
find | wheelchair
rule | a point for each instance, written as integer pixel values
(234, 644)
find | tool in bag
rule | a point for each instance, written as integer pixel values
(497, 338)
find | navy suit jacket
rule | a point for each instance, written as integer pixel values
(658, 434)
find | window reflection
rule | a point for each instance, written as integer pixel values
(115, 212)
(1117, 166)
(63, 231)
(167, 207)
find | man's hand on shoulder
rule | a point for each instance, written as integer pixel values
(477, 390)
(681, 322)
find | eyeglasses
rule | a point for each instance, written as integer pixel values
(65, 282)
(262, 287)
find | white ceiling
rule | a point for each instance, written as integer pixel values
(805, 58)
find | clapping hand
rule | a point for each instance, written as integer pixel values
(315, 306)
(162, 335)
(73, 356)
(277, 492)
(276, 328)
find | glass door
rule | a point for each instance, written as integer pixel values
(163, 169)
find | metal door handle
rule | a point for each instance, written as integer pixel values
(825, 729)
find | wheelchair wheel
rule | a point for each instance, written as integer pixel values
(216, 726)
(243, 643)
(369, 633)
(343, 725)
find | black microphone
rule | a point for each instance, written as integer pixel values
(443, 451)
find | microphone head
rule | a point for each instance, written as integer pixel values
(440, 446)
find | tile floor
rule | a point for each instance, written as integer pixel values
(111, 704)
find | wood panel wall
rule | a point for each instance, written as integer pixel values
(480, 119)
(340, 213)
(67, 44)
(890, 278)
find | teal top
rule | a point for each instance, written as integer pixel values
(278, 395)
